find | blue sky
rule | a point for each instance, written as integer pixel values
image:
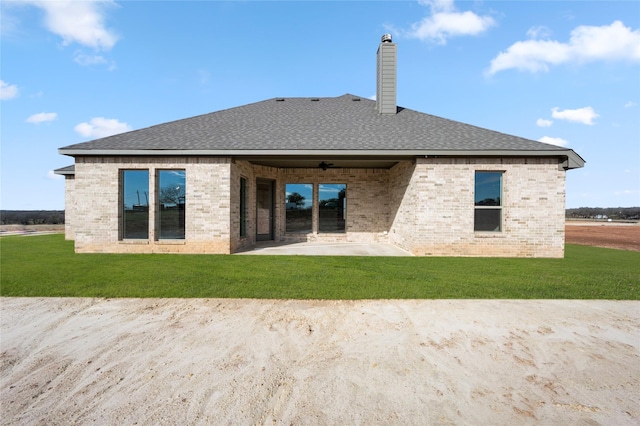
(565, 72)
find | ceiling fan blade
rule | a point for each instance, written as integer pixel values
(324, 166)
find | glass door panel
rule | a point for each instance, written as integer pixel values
(264, 205)
(332, 207)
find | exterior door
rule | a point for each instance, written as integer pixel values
(264, 206)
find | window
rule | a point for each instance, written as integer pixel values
(488, 202)
(243, 207)
(299, 207)
(134, 204)
(172, 185)
(332, 207)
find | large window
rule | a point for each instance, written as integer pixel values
(171, 195)
(488, 202)
(299, 207)
(332, 207)
(135, 204)
(243, 207)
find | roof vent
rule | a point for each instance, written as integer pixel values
(314, 99)
(355, 99)
(386, 38)
(279, 99)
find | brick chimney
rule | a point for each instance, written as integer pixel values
(386, 78)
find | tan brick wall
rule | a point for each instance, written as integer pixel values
(423, 206)
(245, 170)
(97, 218)
(436, 215)
(405, 204)
(70, 207)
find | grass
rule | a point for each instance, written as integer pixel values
(46, 266)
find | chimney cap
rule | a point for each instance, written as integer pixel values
(386, 38)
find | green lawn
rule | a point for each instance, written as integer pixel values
(47, 266)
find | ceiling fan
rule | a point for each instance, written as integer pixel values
(325, 166)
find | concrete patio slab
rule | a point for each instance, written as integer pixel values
(327, 249)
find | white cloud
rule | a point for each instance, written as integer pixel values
(445, 22)
(8, 91)
(541, 122)
(581, 115)
(100, 127)
(586, 43)
(84, 59)
(78, 21)
(530, 55)
(553, 141)
(9, 24)
(538, 32)
(438, 5)
(42, 117)
(627, 192)
(606, 42)
(51, 175)
(630, 104)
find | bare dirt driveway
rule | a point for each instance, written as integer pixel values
(176, 361)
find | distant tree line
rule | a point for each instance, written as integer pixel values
(55, 217)
(31, 217)
(615, 213)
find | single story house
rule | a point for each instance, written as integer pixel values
(333, 169)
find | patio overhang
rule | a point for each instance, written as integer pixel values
(329, 161)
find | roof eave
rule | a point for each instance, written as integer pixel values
(66, 171)
(571, 159)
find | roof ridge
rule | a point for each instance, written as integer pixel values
(313, 97)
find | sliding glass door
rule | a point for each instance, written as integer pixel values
(332, 207)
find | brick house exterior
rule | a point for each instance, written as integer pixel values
(396, 176)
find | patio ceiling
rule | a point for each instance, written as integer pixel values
(351, 162)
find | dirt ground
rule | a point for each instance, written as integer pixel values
(441, 362)
(31, 229)
(175, 361)
(625, 236)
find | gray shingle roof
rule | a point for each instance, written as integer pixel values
(337, 124)
(67, 170)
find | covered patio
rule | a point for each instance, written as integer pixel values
(325, 249)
